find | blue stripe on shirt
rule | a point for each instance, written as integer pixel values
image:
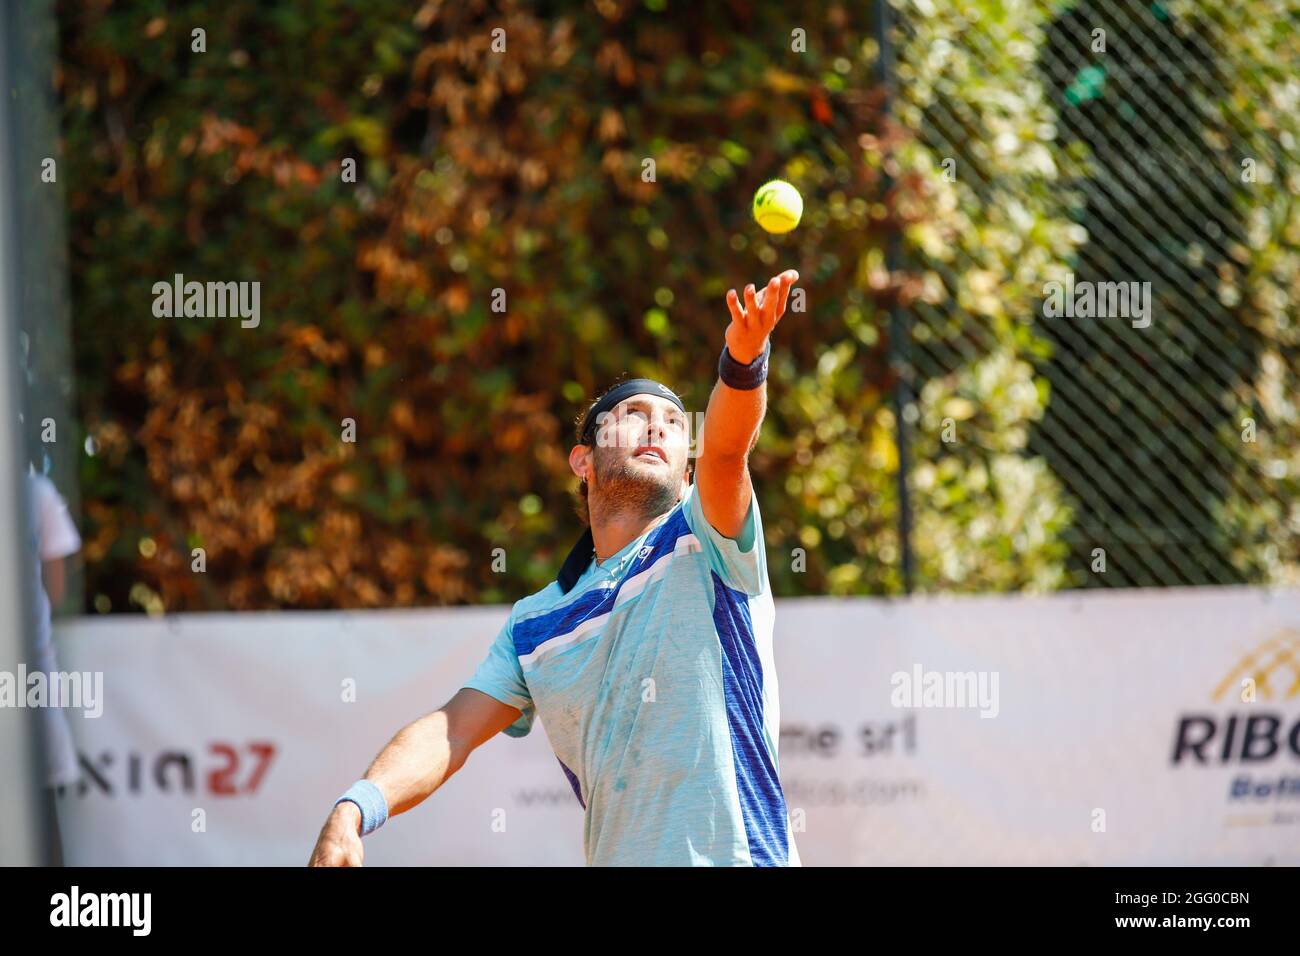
(762, 803)
(531, 633)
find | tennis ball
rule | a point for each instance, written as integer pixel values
(777, 206)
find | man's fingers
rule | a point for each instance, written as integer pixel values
(788, 278)
(733, 306)
(771, 299)
(762, 308)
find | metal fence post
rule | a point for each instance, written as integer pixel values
(898, 352)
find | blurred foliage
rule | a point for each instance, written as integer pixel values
(1259, 109)
(1137, 122)
(519, 171)
(1156, 107)
(989, 516)
(522, 171)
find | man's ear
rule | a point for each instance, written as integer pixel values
(577, 456)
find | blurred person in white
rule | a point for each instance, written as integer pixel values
(53, 538)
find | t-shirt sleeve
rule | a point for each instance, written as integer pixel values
(501, 678)
(741, 562)
(57, 535)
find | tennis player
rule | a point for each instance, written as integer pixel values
(649, 659)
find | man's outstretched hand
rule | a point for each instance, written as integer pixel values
(339, 843)
(753, 322)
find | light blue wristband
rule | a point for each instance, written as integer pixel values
(370, 801)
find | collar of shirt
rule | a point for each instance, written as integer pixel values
(582, 557)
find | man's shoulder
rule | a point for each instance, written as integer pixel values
(694, 516)
(543, 599)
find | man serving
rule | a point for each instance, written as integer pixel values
(649, 659)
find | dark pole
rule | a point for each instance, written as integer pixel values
(25, 835)
(898, 332)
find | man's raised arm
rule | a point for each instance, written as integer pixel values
(734, 415)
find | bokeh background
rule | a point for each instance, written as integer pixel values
(954, 156)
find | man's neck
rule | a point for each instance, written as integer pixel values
(612, 534)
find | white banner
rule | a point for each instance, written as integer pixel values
(1121, 727)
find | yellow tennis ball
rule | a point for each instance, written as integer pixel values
(777, 206)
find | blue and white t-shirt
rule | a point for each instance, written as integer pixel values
(654, 679)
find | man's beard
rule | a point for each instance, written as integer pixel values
(623, 489)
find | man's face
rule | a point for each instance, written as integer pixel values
(639, 459)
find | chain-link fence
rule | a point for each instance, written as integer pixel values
(1119, 310)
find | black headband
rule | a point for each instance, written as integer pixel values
(620, 392)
